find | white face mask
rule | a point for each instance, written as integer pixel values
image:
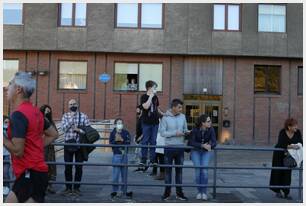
(5, 126)
(119, 126)
(154, 90)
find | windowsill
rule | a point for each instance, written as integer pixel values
(272, 32)
(13, 24)
(217, 30)
(268, 95)
(81, 27)
(83, 91)
(133, 92)
(137, 28)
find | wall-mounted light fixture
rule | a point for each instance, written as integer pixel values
(42, 73)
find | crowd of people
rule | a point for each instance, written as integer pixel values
(29, 132)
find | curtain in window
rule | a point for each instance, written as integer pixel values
(150, 72)
(73, 75)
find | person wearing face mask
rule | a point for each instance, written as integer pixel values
(150, 122)
(49, 150)
(70, 123)
(6, 157)
(119, 136)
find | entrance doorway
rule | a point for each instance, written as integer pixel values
(201, 104)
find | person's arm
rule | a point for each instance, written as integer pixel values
(163, 129)
(192, 142)
(112, 137)
(50, 133)
(282, 140)
(147, 104)
(67, 123)
(18, 125)
(213, 139)
(128, 138)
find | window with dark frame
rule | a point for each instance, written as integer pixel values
(12, 14)
(139, 15)
(133, 76)
(226, 17)
(267, 79)
(72, 75)
(72, 14)
(300, 80)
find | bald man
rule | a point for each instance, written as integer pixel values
(70, 123)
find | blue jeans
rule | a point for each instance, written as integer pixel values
(149, 133)
(178, 156)
(6, 170)
(201, 158)
(119, 171)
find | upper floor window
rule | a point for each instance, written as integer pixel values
(72, 14)
(271, 18)
(72, 75)
(227, 17)
(300, 80)
(146, 15)
(267, 79)
(12, 14)
(133, 76)
(10, 67)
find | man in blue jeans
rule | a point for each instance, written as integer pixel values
(150, 121)
(173, 127)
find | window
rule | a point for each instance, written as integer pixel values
(72, 75)
(10, 67)
(146, 15)
(133, 76)
(72, 14)
(300, 80)
(267, 79)
(227, 17)
(12, 14)
(271, 18)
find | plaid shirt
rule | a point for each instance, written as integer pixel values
(69, 122)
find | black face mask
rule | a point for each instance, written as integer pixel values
(74, 108)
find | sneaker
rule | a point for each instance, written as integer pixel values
(199, 196)
(113, 195)
(160, 177)
(165, 197)
(6, 191)
(66, 192)
(77, 192)
(204, 196)
(51, 190)
(129, 194)
(181, 196)
(279, 195)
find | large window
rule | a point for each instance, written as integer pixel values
(300, 80)
(72, 75)
(271, 18)
(12, 14)
(133, 76)
(72, 14)
(227, 17)
(10, 67)
(146, 15)
(267, 79)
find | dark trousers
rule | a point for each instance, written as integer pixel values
(159, 159)
(176, 155)
(68, 157)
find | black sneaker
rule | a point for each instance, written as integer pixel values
(77, 192)
(129, 194)
(66, 192)
(113, 194)
(165, 197)
(181, 196)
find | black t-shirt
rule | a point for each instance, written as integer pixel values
(150, 115)
(19, 124)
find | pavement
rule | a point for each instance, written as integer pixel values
(150, 194)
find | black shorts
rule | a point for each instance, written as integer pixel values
(31, 185)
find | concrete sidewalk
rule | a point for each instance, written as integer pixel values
(97, 194)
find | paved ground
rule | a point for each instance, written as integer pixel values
(96, 194)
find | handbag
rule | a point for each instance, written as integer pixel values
(289, 161)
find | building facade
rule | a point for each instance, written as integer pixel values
(239, 63)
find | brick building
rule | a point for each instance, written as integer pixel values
(239, 63)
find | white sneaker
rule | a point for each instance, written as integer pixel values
(6, 191)
(204, 196)
(199, 196)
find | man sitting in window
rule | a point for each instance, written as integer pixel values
(132, 85)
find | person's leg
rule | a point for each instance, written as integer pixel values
(68, 157)
(154, 131)
(205, 158)
(6, 171)
(116, 171)
(179, 160)
(154, 169)
(78, 168)
(146, 132)
(168, 170)
(161, 162)
(123, 171)
(195, 157)
(286, 181)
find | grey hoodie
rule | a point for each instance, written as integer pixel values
(169, 125)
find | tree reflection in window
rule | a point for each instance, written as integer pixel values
(267, 79)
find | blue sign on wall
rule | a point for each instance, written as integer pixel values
(104, 77)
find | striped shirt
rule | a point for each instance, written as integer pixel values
(70, 121)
